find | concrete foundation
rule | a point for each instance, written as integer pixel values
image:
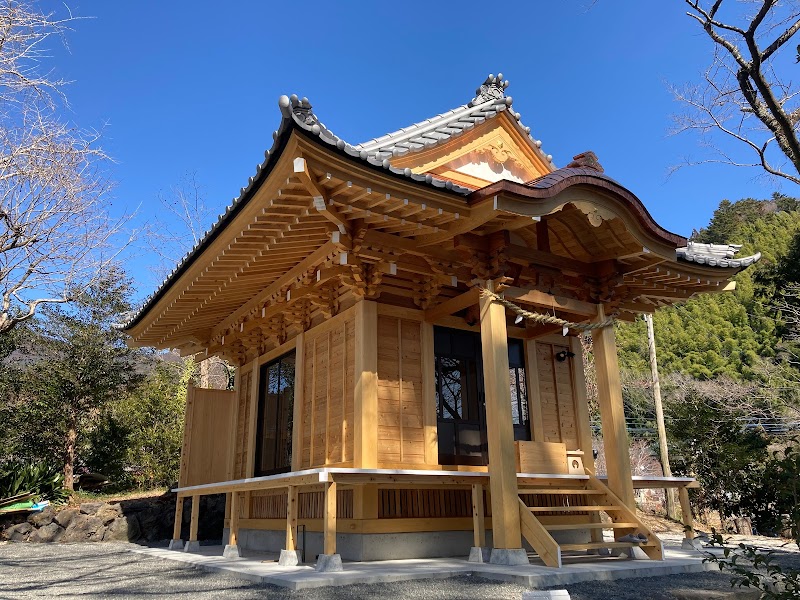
(231, 552)
(329, 563)
(367, 546)
(479, 555)
(192, 546)
(546, 595)
(289, 558)
(693, 544)
(176, 545)
(509, 557)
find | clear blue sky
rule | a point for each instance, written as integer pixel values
(185, 86)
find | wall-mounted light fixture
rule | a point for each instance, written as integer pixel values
(564, 355)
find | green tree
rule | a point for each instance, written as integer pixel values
(80, 363)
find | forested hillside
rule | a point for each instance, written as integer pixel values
(728, 362)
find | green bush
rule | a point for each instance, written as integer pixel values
(46, 482)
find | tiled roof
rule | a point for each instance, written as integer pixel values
(490, 100)
(716, 255)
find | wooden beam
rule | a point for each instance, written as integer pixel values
(478, 520)
(686, 513)
(300, 168)
(329, 518)
(537, 298)
(453, 305)
(365, 405)
(534, 392)
(478, 215)
(499, 427)
(330, 214)
(612, 413)
(569, 266)
(581, 402)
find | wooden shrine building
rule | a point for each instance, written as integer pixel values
(404, 316)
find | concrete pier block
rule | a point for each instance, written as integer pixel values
(231, 552)
(636, 553)
(693, 544)
(175, 545)
(546, 595)
(329, 563)
(192, 546)
(289, 558)
(479, 554)
(510, 557)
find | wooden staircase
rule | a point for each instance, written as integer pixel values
(579, 505)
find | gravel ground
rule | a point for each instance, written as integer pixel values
(107, 570)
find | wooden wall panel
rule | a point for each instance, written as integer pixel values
(401, 431)
(208, 436)
(327, 411)
(557, 397)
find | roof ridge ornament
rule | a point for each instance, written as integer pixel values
(491, 89)
(586, 160)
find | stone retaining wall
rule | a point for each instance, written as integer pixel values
(140, 520)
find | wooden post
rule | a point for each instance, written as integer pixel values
(612, 413)
(299, 400)
(176, 528)
(233, 534)
(478, 522)
(686, 513)
(195, 519)
(365, 406)
(534, 392)
(429, 408)
(499, 428)
(662, 430)
(291, 519)
(329, 518)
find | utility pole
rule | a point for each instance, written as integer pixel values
(662, 431)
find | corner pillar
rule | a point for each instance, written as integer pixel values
(499, 428)
(612, 413)
(365, 406)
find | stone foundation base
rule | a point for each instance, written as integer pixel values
(479, 555)
(329, 563)
(192, 546)
(510, 557)
(175, 545)
(231, 552)
(289, 558)
(692, 544)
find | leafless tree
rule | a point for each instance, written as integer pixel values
(55, 232)
(746, 94)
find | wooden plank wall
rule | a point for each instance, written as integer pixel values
(208, 436)
(401, 433)
(327, 421)
(557, 396)
(243, 426)
(272, 505)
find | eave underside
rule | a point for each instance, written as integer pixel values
(323, 232)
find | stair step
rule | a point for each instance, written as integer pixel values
(598, 545)
(569, 526)
(588, 508)
(559, 491)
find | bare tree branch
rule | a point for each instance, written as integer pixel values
(55, 232)
(743, 97)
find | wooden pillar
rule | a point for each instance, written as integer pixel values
(612, 413)
(329, 518)
(478, 521)
(686, 513)
(583, 424)
(299, 400)
(365, 403)
(291, 518)
(429, 408)
(233, 530)
(534, 392)
(176, 528)
(499, 428)
(193, 525)
(365, 406)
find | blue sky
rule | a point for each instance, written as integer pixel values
(185, 86)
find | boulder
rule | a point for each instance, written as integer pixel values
(63, 517)
(90, 508)
(123, 529)
(19, 532)
(84, 528)
(52, 532)
(107, 513)
(42, 518)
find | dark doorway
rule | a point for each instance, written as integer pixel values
(275, 412)
(460, 400)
